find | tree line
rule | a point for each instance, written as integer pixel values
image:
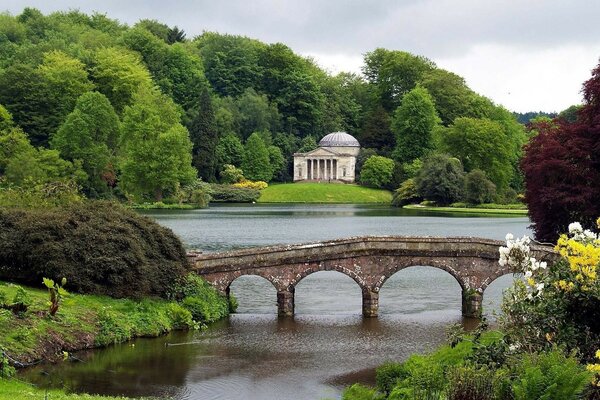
(142, 111)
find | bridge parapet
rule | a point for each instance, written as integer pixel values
(369, 260)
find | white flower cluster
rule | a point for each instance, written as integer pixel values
(516, 255)
(582, 235)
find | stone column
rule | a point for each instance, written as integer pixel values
(308, 168)
(334, 169)
(285, 302)
(370, 303)
(471, 303)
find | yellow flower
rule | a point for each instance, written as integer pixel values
(598, 354)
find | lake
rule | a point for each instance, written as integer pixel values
(327, 345)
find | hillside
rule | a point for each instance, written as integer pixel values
(323, 193)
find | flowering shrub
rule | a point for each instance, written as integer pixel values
(259, 185)
(557, 304)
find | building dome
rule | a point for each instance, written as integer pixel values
(339, 139)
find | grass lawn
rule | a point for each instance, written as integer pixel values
(470, 210)
(323, 193)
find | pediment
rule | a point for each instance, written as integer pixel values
(319, 151)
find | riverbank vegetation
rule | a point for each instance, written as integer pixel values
(93, 249)
(498, 209)
(548, 346)
(323, 193)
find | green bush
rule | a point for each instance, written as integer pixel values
(551, 376)
(377, 171)
(406, 194)
(360, 392)
(100, 247)
(202, 300)
(469, 383)
(388, 375)
(232, 194)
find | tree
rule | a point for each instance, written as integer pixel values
(307, 144)
(66, 79)
(256, 164)
(394, 73)
(406, 194)
(441, 179)
(481, 144)
(450, 94)
(119, 74)
(413, 123)
(205, 138)
(363, 155)
(156, 148)
(230, 150)
(277, 162)
(377, 171)
(42, 166)
(478, 188)
(230, 174)
(561, 166)
(255, 114)
(90, 134)
(376, 132)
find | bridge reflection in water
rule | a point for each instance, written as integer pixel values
(369, 261)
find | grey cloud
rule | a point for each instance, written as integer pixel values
(434, 28)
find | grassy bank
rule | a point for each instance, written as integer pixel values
(15, 390)
(471, 210)
(87, 321)
(323, 193)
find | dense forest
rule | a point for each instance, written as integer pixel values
(142, 112)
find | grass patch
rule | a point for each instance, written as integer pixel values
(11, 389)
(470, 210)
(323, 193)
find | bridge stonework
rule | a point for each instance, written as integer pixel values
(369, 261)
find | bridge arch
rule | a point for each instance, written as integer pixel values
(314, 268)
(263, 287)
(402, 266)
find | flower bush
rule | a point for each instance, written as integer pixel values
(258, 185)
(557, 304)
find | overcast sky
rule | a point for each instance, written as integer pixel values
(525, 54)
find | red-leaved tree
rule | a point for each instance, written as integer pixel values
(561, 166)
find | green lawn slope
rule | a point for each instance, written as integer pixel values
(323, 193)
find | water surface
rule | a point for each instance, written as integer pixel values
(327, 345)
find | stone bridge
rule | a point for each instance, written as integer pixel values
(370, 261)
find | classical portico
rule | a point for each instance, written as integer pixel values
(333, 160)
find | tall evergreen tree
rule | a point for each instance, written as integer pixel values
(205, 138)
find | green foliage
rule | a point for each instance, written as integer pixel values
(276, 161)
(469, 383)
(99, 247)
(232, 194)
(157, 148)
(360, 392)
(6, 370)
(205, 138)
(90, 134)
(478, 188)
(307, 144)
(413, 123)
(551, 376)
(255, 114)
(201, 299)
(230, 150)
(388, 375)
(406, 194)
(231, 174)
(40, 195)
(119, 75)
(481, 144)
(256, 164)
(441, 179)
(377, 171)
(56, 293)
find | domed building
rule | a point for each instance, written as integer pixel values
(333, 161)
